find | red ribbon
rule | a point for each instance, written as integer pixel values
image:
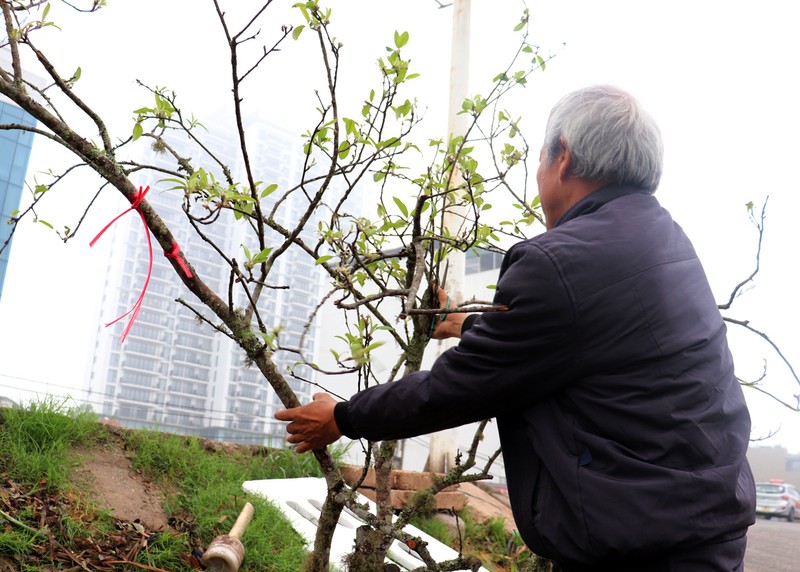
(175, 254)
(138, 197)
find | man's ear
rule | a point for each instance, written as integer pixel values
(564, 160)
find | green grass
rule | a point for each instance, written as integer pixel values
(34, 442)
(14, 543)
(208, 489)
(438, 529)
(203, 488)
(168, 552)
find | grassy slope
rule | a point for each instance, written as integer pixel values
(205, 485)
(35, 447)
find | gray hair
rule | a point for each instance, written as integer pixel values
(610, 137)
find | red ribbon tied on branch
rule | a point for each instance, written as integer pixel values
(136, 200)
(175, 254)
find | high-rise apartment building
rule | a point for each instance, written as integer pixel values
(15, 150)
(173, 372)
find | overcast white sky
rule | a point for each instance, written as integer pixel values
(717, 75)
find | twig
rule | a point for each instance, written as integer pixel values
(459, 310)
(746, 325)
(737, 289)
(371, 298)
(129, 563)
(13, 520)
(201, 317)
(67, 90)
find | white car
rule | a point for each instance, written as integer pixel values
(776, 498)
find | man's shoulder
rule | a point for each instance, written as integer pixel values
(624, 237)
(633, 219)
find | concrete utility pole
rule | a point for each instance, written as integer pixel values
(443, 445)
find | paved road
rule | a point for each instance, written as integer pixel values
(773, 546)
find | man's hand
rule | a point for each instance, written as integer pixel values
(311, 426)
(446, 325)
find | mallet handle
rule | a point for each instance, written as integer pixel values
(242, 521)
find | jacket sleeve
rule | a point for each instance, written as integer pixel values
(505, 361)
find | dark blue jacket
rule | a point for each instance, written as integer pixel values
(623, 427)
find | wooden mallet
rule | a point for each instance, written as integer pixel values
(226, 552)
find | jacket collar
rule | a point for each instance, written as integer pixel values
(596, 199)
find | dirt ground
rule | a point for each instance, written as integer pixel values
(115, 487)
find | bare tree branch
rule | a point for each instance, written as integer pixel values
(759, 224)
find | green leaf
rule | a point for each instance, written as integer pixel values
(247, 253)
(351, 127)
(77, 75)
(240, 197)
(45, 12)
(137, 130)
(262, 256)
(402, 110)
(44, 222)
(179, 183)
(400, 40)
(40, 189)
(297, 31)
(344, 149)
(323, 259)
(372, 346)
(389, 143)
(302, 7)
(269, 190)
(401, 206)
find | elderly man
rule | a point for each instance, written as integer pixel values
(623, 427)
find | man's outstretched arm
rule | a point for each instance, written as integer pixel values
(321, 423)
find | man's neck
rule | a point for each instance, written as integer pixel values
(573, 190)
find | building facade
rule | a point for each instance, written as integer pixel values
(768, 463)
(174, 372)
(15, 151)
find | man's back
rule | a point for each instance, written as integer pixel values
(647, 408)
